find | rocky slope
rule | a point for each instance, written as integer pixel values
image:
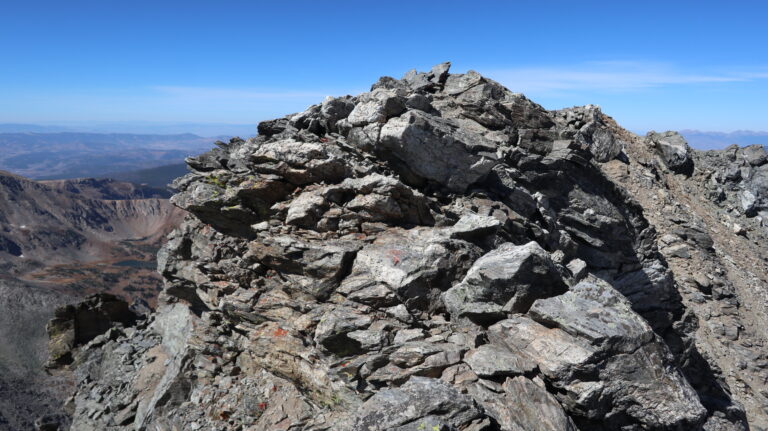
(443, 254)
(60, 241)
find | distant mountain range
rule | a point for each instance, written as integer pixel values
(64, 155)
(158, 177)
(136, 127)
(719, 140)
(31, 128)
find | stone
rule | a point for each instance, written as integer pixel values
(563, 358)
(406, 335)
(673, 150)
(557, 353)
(434, 149)
(335, 328)
(306, 210)
(439, 72)
(75, 325)
(679, 250)
(412, 266)
(525, 406)
(493, 361)
(473, 226)
(586, 127)
(457, 84)
(748, 201)
(335, 109)
(506, 280)
(595, 311)
(379, 106)
(755, 155)
(421, 401)
(578, 269)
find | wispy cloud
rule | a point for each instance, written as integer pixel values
(614, 76)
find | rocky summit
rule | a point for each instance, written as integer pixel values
(441, 253)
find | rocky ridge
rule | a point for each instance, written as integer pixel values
(443, 254)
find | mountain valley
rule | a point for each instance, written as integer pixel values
(59, 242)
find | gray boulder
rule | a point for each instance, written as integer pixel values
(523, 405)
(491, 361)
(507, 280)
(435, 149)
(420, 404)
(591, 339)
(755, 155)
(415, 265)
(617, 327)
(673, 150)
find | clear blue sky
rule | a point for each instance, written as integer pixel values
(650, 64)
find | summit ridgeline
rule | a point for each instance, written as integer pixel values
(441, 253)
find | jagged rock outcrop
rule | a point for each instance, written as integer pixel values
(75, 325)
(673, 150)
(437, 254)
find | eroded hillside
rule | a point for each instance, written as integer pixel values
(59, 242)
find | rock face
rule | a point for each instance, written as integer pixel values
(75, 325)
(673, 150)
(437, 254)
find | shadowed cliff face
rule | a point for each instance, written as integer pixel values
(60, 241)
(436, 254)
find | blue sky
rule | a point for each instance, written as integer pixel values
(651, 65)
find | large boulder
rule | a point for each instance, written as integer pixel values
(414, 266)
(75, 325)
(506, 280)
(673, 150)
(522, 405)
(585, 341)
(436, 149)
(420, 404)
(615, 326)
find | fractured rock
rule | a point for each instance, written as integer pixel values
(506, 280)
(674, 151)
(395, 261)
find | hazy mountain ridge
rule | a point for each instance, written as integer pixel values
(135, 127)
(109, 189)
(702, 140)
(80, 155)
(157, 177)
